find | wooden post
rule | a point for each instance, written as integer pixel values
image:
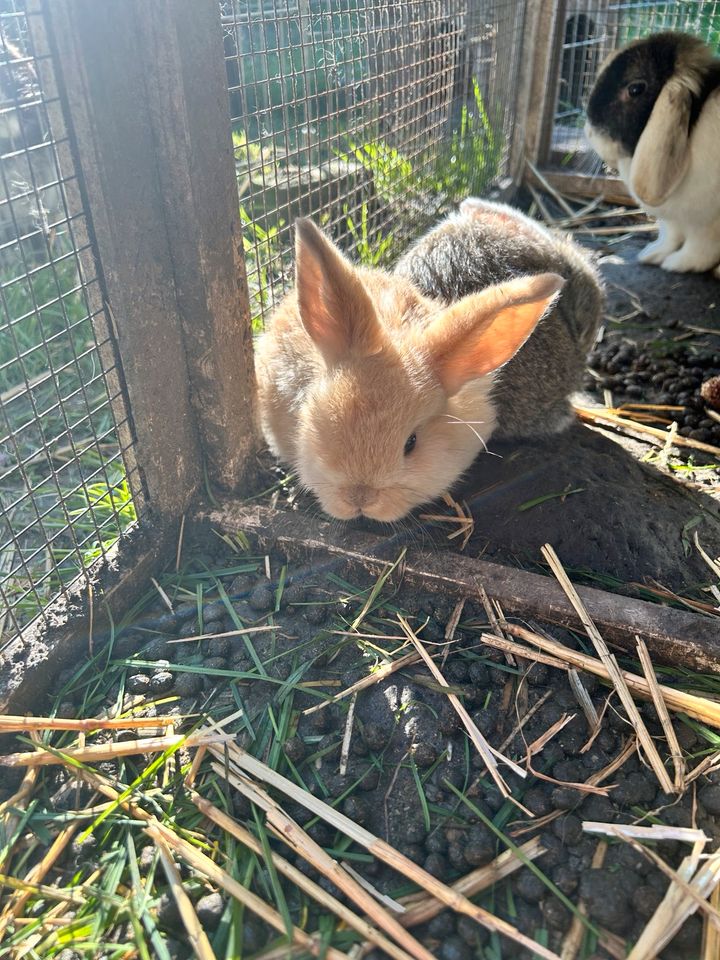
(143, 85)
(546, 16)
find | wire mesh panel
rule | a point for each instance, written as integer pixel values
(65, 467)
(370, 116)
(592, 29)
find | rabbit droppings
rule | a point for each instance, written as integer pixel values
(380, 389)
(654, 115)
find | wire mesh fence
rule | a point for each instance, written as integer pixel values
(66, 470)
(589, 32)
(370, 116)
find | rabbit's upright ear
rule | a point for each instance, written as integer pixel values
(482, 332)
(335, 308)
(662, 154)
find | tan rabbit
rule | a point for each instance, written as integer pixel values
(381, 396)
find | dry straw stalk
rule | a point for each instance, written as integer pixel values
(246, 764)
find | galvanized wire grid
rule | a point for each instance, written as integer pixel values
(591, 31)
(370, 116)
(64, 489)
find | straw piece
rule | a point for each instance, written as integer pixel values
(482, 746)
(10, 724)
(383, 851)
(677, 905)
(291, 833)
(204, 865)
(700, 708)
(607, 417)
(612, 667)
(711, 936)
(314, 890)
(524, 719)
(347, 737)
(472, 883)
(196, 935)
(370, 680)
(109, 751)
(583, 698)
(663, 715)
(14, 906)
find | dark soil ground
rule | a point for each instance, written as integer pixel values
(413, 777)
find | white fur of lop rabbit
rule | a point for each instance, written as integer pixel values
(654, 115)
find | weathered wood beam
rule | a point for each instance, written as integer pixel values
(672, 636)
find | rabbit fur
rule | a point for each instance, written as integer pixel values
(380, 389)
(654, 115)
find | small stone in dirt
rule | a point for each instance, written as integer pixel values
(161, 681)
(294, 749)
(209, 910)
(138, 683)
(188, 684)
(709, 798)
(262, 598)
(454, 948)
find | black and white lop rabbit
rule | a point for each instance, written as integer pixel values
(654, 115)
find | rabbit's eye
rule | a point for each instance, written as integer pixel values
(410, 444)
(637, 88)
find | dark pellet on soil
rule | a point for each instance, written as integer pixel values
(443, 925)
(217, 646)
(425, 754)
(168, 915)
(455, 948)
(530, 887)
(635, 788)
(480, 847)
(161, 681)
(709, 798)
(138, 683)
(357, 809)
(437, 866)
(188, 684)
(568, 829)
(262, 598)
(209, 910)
(646, 900)
(556, 914)
(606, 897)
(294, 749)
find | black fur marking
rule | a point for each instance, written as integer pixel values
(621, 117)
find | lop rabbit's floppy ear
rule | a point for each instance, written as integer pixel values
(335, 307)
(481, 332)
(662, 154)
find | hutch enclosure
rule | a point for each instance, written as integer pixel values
(154, 158)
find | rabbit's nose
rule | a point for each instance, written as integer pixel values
(361, 496)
